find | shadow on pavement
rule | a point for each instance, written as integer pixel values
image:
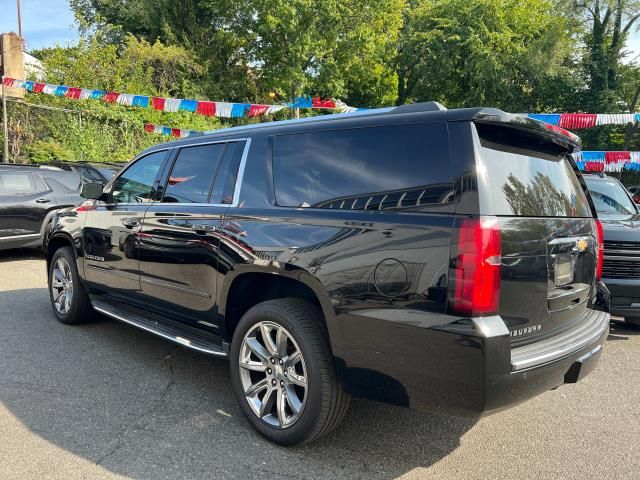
(144, 408)
(20, 254)
(622, 331)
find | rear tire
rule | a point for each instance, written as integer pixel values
(293, 370)
(69, 299)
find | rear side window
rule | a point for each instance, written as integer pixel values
(526, 179)
(225, 183)
(192, 174)
(16, 183)
(374, 168)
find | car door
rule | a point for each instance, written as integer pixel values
(180, 235)
(24, 204)
(111, 232)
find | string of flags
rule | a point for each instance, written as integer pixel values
(598, 161)
(169, 131)
(577, 121)
(202, 107)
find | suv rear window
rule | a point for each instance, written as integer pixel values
(525, 180)
(373, 168)
(16, 183)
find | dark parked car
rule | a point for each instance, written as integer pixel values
(28, 199)
(621, 222)
(372, 253)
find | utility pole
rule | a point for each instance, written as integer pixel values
(5, 123)
(19, 21)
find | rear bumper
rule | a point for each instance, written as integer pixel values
(464, 367)
(625, 296)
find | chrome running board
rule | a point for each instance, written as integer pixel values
(171, 330)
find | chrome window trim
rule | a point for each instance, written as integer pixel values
(236, 188)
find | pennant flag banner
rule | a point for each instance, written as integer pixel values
(596, 161)
(168, 131)
(202, 107)
(577, 121)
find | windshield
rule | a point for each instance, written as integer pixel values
(610, 197)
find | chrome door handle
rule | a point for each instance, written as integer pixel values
(130, 223)
(200, 228)
(43, 200)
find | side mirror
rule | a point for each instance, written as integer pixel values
(91, 191)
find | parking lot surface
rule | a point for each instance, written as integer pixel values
(105, 400)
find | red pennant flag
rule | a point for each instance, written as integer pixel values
(7, 82)
(38, 87)
(158, 103)
(257, 110)
(148, 127)
(574, 121)
(206, 108)
(594, 166)
(175, 132)
(72, 93)
(111, 97)
(318, 103)
(615, 157)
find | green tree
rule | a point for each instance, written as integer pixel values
(484, 52)
(608, 24)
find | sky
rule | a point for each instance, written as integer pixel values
(46, 23)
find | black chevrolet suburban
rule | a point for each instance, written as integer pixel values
(444, 260)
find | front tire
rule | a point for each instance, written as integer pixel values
(69, 299)
(283, 373)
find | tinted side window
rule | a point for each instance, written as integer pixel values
(16, 183)
(224, 185)
(374, 168)
(192, 174)
(136, 182)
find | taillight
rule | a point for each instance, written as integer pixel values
(476, 267)
(600, 254)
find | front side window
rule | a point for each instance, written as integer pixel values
(136, 184)
(609, 197)
(16, 183)
(373, 168)
(192, 174)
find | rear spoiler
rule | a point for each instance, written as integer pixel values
(560, 136)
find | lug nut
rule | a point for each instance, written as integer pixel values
(281, 383)
(273, 382)
(269, 371)
(273, 360)
(281, 362)
(285, 373)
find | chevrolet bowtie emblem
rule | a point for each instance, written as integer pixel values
(581, 245)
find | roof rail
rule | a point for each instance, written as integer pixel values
(420, 107)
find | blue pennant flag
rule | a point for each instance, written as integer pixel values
(140, 101)
(239, 109)
(593, 156)
(581, 164)
(60, 91)
(301, 102)
(637, 117)
(188, 105)
(28, 85)
(97, 94)
(166, 131)
(552, 118)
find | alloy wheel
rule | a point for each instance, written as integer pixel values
(273, 374)
(62, 286)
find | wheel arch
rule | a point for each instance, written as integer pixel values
(57, 241)
(245, 288)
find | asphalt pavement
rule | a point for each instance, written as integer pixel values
(105, 400)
